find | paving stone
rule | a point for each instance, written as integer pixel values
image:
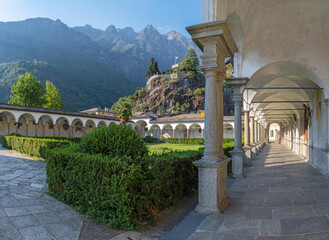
(242, 226)
(186, 227)
(292, 212)
(63, 230)
(321, 209)
(304, 225)
(200, 235)
(16, 211)
(259, 213)
(211, 223)
(35, 233)
(24, 221)
(223, 236)
(37, 209)
(9, 201)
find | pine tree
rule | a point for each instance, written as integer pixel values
(193, 57)
(52, 97)
(152, 69)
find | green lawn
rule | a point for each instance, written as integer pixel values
(162, 147)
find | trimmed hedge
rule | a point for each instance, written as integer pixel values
(33, 147)
(149, 139)
(185, 140)
(114, 141)
(120, 191)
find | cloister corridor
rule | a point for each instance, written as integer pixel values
(281, 197)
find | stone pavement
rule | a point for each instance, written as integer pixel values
(26, 212)
(282, 197)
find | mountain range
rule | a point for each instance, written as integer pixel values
(90, 67)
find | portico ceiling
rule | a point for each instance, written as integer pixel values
(280, 91)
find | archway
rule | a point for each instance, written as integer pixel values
(90, 126)
(77, 128)
(141, 126)
(167, 131)
(228, 131)
(195, 131)
(294, 97)
(180, 131)
(63, 127)
(26, 124)
(155, 131)
(45, 126)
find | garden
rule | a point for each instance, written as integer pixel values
(113, 176)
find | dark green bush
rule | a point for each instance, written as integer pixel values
(74, 140)
(120, 191)
(16, 134)
(149, 139)
(34, 147)
(114, 141)
(185, 140)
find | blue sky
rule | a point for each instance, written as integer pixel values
(165, 15)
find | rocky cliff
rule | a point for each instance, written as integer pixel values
(176, 93)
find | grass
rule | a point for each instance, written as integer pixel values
(159, 148)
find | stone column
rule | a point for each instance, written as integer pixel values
(8, 128)
(160, 133)
(83, 131)
(16, 127)
(54, 131)
(173, 133)
(217, 43)
(220, 114)
(36, 129)
(247, 148)
(256, 136)
(70, 131)
(188, 132)
(237, 153)
(252, 138)
(43, 129)
(27, 129)
(202, 133)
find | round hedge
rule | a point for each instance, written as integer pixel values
(114, 140)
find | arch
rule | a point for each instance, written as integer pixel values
(180, 131)
(62, 127)
(156, 131)
(90, 126)
(228, 130)
(26, 123)
(167, 131)
(77, 128)
(130, 125)
(195, 131)
(7, 123)
(293, 96)
(101, 124)
(141, 124)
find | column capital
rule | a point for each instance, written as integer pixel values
(213, 33)
(246, 111)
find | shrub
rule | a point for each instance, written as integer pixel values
(185, 140)
(114, 141)
(16, 134)
(149, 139)
(120, 191)
(34, 147)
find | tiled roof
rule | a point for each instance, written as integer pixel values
(53, 111)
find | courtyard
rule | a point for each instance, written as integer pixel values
(282, 197)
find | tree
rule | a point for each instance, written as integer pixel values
(27, 91)
(152, 69)
(123, 109)
(193, 57)
(52, 97)
(186, 66)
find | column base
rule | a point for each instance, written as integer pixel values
(253, 152)
(247, 155)
(213, 196)
(237, 163)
